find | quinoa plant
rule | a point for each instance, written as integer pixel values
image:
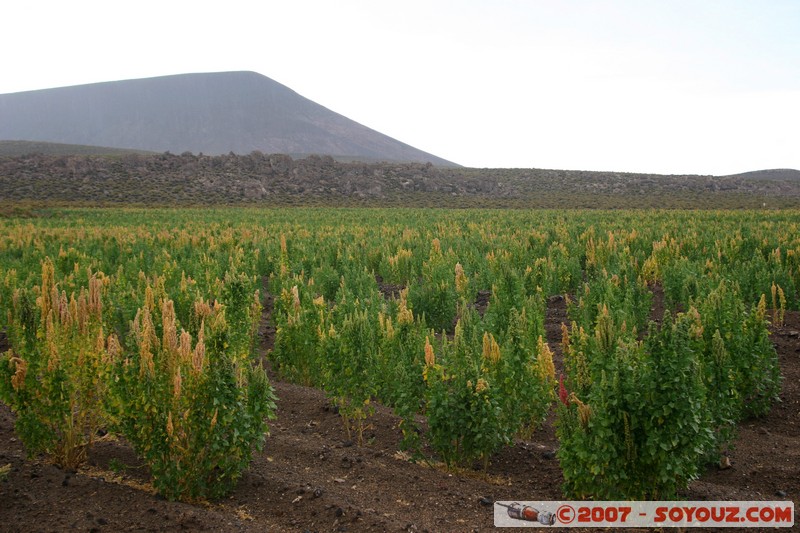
(297, 318)
(398, 268)
(193, 410)
(55, 379)
(750, 359)
(480, 395)
(398, 369)
(525, 374)
(348, 351)
(463, 409)
(626, 296)
(637, 424)
(434, 297)
(760, 382)
(508, 292)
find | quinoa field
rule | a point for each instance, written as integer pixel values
(319, 369)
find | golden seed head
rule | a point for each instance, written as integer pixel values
(95, 302)
(147, 339)
(604, 330)
(295, 298)
(545, 359)
(782, 306)
(177, 383)
(46, 300)
(761, 310)
(20, 371)
(52, 348)
(214, 418)
(404, 314)
(100, 342)
(83, 311)
(114, 348)
(185, 346)
(584, 410)
(650, 269)
(149, 298)
(461, 279)
(201, 309)
(218, 321)
(491, 350)
(386, 325)
(696, 329)
(63, 310)
(170, 427)
(481, 386)
(430, 359)
(199, 355)
(169, 341)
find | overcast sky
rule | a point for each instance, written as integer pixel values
(667, 86)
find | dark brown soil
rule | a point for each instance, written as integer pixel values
(310, 477)
(482, 300)
(388, 290)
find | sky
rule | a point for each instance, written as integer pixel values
(661, 86)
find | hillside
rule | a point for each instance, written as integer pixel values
(213, 114)
(788, 174)
(21, 148)
(274, 180)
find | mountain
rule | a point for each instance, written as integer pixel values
(771, 174)
(212, 113)
(21, 148)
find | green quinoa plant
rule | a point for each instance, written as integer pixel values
(525, 374)
(508, 292)
(750, 357)
(194, 411)
(761, 374)
(639, 424)
(398, 369)
(55, 380)
(349, 348)
(464, 412)
(434, 297)
(480, 395)
(298, 316)
(399, 267)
